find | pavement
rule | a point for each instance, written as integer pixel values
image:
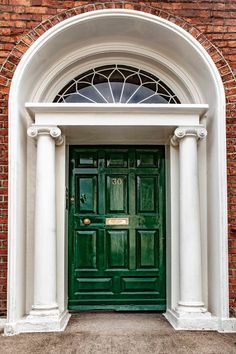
(119, 333)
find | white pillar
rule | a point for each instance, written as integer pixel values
(190, 290)
(45, 296)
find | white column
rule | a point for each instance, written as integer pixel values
(45, 296)
(190, 297)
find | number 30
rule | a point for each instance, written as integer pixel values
(117, 181)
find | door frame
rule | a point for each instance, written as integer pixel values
(152, 124)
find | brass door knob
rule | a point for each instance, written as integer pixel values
(87, 221)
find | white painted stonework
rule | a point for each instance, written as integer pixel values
(190, 283)
(197, 270)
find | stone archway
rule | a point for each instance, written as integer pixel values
(169, 54)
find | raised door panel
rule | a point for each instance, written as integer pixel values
(116, 159)
(117, 249)
(141, 284)
(147, 158)
(147, 249)
(88, 285)
(85, 249)
(86, 194)
(116, 194)
(86, 159)
(146, 187)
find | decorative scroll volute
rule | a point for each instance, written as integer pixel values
(34, 131)
(181, 132)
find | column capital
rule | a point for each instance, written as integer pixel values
(199, 132)
(36, 130)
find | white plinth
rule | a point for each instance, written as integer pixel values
(36, 323)
(193, 321)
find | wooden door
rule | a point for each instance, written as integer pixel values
(117, 228)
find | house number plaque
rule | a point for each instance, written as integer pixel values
(117, 221)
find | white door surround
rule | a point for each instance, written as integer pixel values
(157, 46)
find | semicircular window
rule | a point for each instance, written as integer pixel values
(116, 84)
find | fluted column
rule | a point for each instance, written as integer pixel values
(45, 297)
(191, 299)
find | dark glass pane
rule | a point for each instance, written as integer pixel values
(82, 84)
(162, 90)
(116, 90)
(164, 87)
(76, 98)
(152, 86)
(146, 79)
(92, 94)
(134, 79)
(71, 89)
(142, 93)
(105, 91)
(155, 99)
(175, 99)
(106, 72)
(129, 89)
(126, 72)
(116, 83)
(57, 98)
(98, 79)
(116, 76)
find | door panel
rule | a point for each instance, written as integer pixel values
(117, 249)
(117, 260)
(116, 159)
(86, 159)
(94, 285)
(139, 284)
(86, 193)
(116, 192)
(85, 249)
(147, 249)
(146, 194)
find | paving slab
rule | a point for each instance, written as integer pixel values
(119, 333)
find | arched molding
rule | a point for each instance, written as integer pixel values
(174, 77)
(203, 86)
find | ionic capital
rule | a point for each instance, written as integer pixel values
(181, 132)
(36, 130)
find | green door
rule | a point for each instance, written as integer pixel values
(117, 228)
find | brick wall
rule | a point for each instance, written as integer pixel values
(212, 22)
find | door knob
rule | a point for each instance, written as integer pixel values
(87, 221)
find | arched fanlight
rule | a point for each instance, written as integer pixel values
(116, 84)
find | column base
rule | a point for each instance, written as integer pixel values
(190, 307)
(193, 321)
(51, 322)
(37, 311)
